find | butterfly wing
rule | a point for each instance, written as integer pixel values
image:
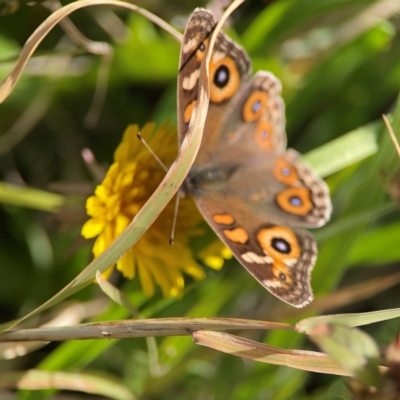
(253, 194)
(230, 66)
(248, 160)
(253, 125)
(280, 186)
(257, 208)
(279, 257)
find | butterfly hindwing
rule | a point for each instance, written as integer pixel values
(277, 185)
(279, 257)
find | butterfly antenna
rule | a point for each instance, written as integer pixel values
(162, 165)
(178, 193)
(178, 196)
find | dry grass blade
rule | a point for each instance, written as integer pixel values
(29, 118)
(373, 15)
(240, 347)
(115, 294)
(40, 33)
(94, 47)
(71, 314)
(100, 48)
(118, 297)
(93, 115)
(137, 328)
(36, 379)
(391, 133)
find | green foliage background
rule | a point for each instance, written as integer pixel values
(340, 69)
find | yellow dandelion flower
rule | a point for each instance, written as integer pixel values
(215, 254)
(129, 182)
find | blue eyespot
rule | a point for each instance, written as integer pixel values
(264, 134)
(295, 201)
(221, 76)
(256, 106)
(285, 171)
(281, 245)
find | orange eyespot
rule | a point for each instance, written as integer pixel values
(189, 111)
(263, 135)
(201, 50)
(224, 78)
(279, 242)
(285, 172)
(223, 219)
(237, 235)
(281, 272)
(255, 106)
(295, 201)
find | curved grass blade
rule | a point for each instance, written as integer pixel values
(87, 383)
(8, 84)
(240, 347)
(115, 294)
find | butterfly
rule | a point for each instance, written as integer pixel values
(253, 192)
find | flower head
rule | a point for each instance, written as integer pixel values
(129, 182)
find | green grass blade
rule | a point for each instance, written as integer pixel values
(31, 198)
(352, 349)
(350, 320)
(344, 151)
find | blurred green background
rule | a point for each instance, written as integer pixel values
(340, 69)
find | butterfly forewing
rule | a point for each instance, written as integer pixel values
(230, 66)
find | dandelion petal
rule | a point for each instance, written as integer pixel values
(92, 228)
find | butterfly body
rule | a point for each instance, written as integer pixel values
(254, 193)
